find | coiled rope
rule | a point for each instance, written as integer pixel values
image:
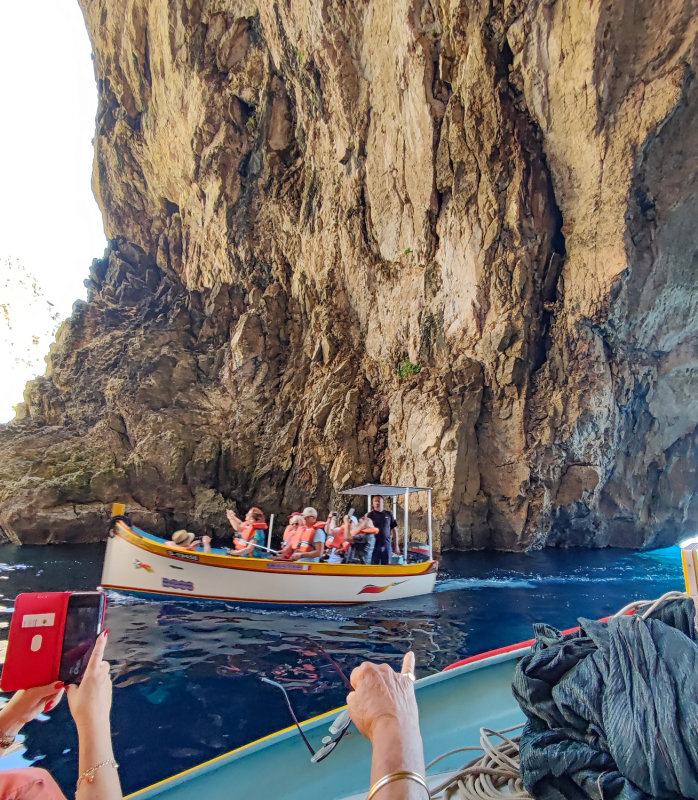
(493, 775)
(496, 773)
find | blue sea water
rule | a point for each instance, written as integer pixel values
(186, 676)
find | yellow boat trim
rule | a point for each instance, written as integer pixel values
(233, 752)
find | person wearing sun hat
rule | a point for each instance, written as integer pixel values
(188, 541)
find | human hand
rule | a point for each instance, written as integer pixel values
(90, 702)
(26, 704)
(206, 539)
(382, 696)
(232, 516)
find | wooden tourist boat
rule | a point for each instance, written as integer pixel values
(137, 562)
(453, 706)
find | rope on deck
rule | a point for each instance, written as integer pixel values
(491, 776)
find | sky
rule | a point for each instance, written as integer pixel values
(50, 226)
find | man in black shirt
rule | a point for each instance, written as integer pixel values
(386, 524)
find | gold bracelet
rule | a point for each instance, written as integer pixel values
(89, 774)
(397, 776)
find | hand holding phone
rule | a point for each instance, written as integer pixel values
(90, 702)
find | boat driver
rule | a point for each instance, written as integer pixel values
(387, 528)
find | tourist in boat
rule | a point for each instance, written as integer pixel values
(90, 704)
(249, 534)
(387, 531)
(384, 709)
(362, 538)
(188, 541)
(337, 543)
(292, 536)
(311, 544)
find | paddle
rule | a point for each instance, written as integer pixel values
(260, 546)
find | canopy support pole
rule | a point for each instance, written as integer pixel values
(397, 532)
(271, 527)
(431, 541)
(407, 520)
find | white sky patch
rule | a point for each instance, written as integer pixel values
(49, 222)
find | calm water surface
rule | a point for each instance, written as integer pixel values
(186, 676)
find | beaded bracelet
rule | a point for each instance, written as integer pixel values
(397, 776)
(89, 774)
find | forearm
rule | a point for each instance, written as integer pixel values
(95, 748)
(397, 749)
(10, 723)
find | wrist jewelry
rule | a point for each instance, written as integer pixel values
(6, 741)
(397, 776)
(89, 774)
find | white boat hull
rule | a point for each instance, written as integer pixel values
(140, 564)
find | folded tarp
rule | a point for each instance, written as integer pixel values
(613, 709)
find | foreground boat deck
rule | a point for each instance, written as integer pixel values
(453, 705)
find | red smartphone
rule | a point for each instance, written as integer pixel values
(52, 635)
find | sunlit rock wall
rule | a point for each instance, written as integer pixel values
(308, 201)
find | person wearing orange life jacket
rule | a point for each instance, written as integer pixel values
(362, 537)
(338, 536)
(292, 536)
(248, 534)
(311, 545)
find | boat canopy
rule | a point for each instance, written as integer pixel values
(370, 490)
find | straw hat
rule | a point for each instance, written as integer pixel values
(183, 537)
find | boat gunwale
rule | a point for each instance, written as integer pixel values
(248, 565)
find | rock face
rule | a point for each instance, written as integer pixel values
(431, 242)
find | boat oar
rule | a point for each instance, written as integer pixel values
(259, 546)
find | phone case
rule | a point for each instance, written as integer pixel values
(35, 641)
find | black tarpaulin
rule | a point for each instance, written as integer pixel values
(613, 709)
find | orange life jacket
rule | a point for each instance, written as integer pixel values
(305, 544)
(291, 539)
(247, 532)
(337, 540)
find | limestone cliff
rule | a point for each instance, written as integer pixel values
(423, 241)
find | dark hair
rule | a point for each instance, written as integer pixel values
(257, 514)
